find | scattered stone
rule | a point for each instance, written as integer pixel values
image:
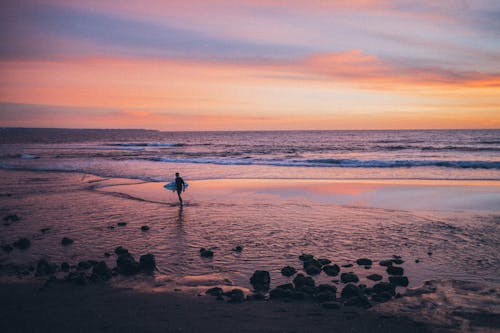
(306, 257)
(111, 227)
(398, 261)
(43, 268)
(237, 296)
(260, 280)
(374, 277)
(11, 218)
(93, 263)
(102, 271)
(382, 297)
(78, 278)
(395, 270)
(121, 250)
(324, 296)
(66, 241)
(278, 293)
(44, 230)
(347, 265)
(429, 253)
(206, 253)
(22, 243)
(107, 254)
(300, 281)
(331, 270)
(215, 291)
(399, 280)
(384, 287)
(84, 265)
(328, 288)
(368, 267)
(7, 248)
(312, 267)
(417, 261)
(364, 262)
(349, 277)
(147, 263)
(324, 261)
(121, 224)
(258, 296)
(288, 271)
(331, 305)
(396, 256)
(65, 267)
(144, 228)
(127, 265)
(385, 263)
(351, 290)
(238, 248)
(286, 286)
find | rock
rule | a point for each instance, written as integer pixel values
(331, 305)
(237, 296)
(65, 267)
(313, 269)
(331, 270)
(417, 261)
(327, 288)
(127, 265)
(215, 291)
(11, 218)
(43, 267)
(351, 290)
(22, 243)
(144, 228)
(278, 293)
(396, 256)
(348, 277)
(399, 280)
(382, 297)
(102, 271)
(398, 261)
(78, 278)
(385, 263)
(7, 248)
(324, 261)
(384, 287)
(66, 241)
(364, 262)
(286, 286)
(300, 280)
(121, 250)
(238, 248)
(206, 253)
(306, 257)
(260, 280)
(107, 254)
(121, 224)
(44, 230)
(325, 296)
(256, 297)
(147, 263)
(374, 277)
(395, 270)
(93, 263)
(347, 265)
(429, 253)
(288, 271)
(84, 265)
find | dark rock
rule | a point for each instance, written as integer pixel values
(237, 296)
(22, 243)
(385, 263)
(331, 305)
(206, 253)
(429, 253)
(102, 271)
(288, 271)
(260, 280)
(327, 287)
(368, 267)
(7, 248)
(384, 287)
(219, 298)
(368, 291)
(121, 224)
(417, 261)
(351, 290)
(127, 265)
(111, 227)
(347, 265)
(78, 278)
(215, 291)
(65, 267)
(107, 254)
(286, 286)
(238, 248)
(256, 297)
(84, 265)
(382, 297)
(313, 269)
(44, 230)
(147, 263)
(348, 277)
(121, 250)
(399, 280)
(331, 270)
(324, 261)
(93, 263)
(395, 270)
(144, 228)
(374, 277)
(396, 256)
(300, 280)
(299, 295)
(364, 262)
(324, 296)
(278, 293)
(66, 241)
(43, 267)
(306, 257)
(398, 261)
(11, 218)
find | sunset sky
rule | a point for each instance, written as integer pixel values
(261, 64)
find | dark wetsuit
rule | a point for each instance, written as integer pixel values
(179, 186)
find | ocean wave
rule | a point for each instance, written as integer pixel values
(28, 156)
(146, 144)
(340, 163)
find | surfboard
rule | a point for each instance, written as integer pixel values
(171, 186)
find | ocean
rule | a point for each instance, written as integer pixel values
(155, 155)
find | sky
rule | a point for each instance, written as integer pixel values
(250, 64)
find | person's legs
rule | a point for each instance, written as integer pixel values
(179, 195)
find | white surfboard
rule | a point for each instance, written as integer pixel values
(171, 186)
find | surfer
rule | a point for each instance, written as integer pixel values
(179, 186)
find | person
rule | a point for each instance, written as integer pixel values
(179, 186)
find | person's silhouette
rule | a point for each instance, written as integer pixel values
(179, 186)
